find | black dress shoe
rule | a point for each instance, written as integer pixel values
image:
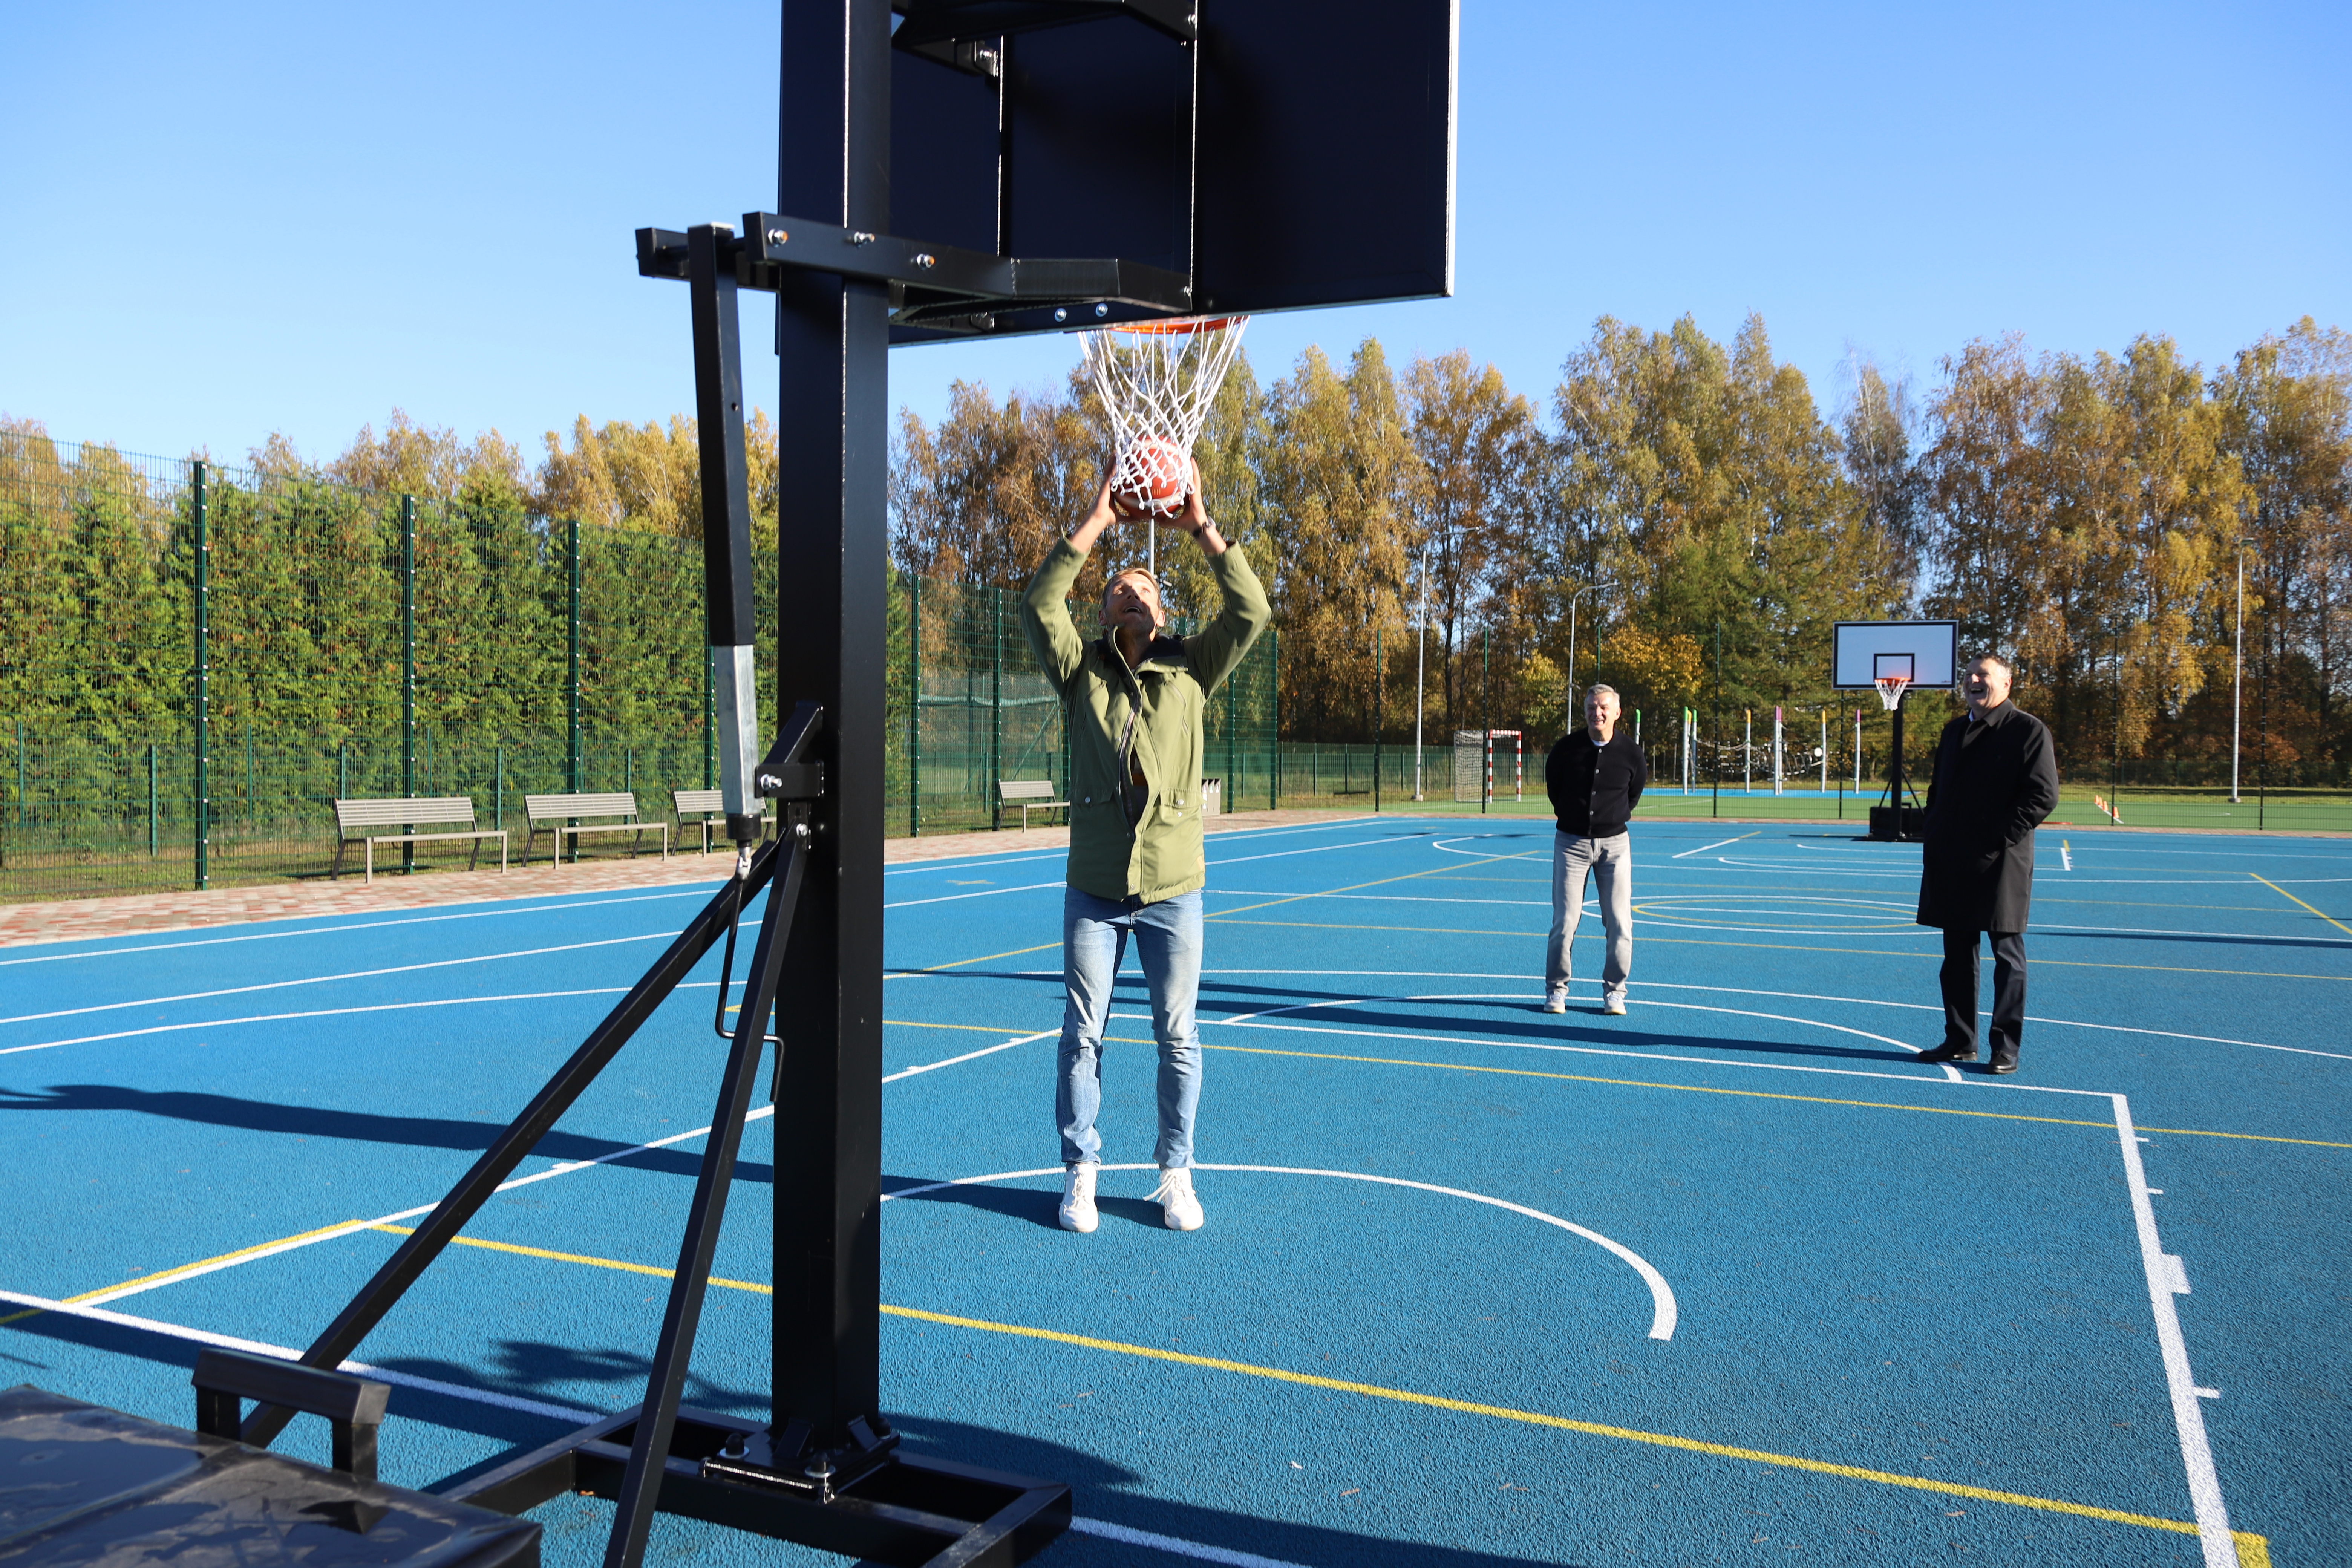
(1949, 1054)
(2004, 1064)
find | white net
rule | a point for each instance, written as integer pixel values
(1891, 688)
(1157, 380)
(1469, 766)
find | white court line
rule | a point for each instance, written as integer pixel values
(1249, 1020)
(1223, 1555)
(1664, 1311)
(964, 863)
(1705, 847)
(1788, 995)
(352, 975)
(2167, 1277)
(983, 893)
(969, 1056)
(324, 1013)
(499, 913)
(280, 1353)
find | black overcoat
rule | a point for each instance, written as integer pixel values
(1995, 780)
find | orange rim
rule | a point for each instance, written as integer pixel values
(1199, 324)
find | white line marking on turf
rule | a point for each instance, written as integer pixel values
(1175, 1547)
(350, 975)
(2165, 1278)
(280, 1353)
(1664, 1312)
(322, 1013)
(1705, 847)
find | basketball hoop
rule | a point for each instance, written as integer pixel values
(1890, 690)
(1157, 380)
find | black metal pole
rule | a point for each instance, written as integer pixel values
(832, 342)
(633, 1521)
(497, 1161)
(203, 706)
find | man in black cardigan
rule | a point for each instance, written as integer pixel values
(1594, 776)
(1995, 780)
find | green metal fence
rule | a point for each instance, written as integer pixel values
(197, 660)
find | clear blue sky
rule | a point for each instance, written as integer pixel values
(224, 220)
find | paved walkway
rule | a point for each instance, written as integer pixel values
(75, 919)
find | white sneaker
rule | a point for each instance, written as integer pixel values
(1555, 1002)
(1078, 1197)
(1178, 1206)
(1615, 1006)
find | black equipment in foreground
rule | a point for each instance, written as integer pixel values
(1223, 156)
(82, 1484)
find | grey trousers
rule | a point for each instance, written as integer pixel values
(1610, 862)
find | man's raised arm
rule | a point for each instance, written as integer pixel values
(1044, 617)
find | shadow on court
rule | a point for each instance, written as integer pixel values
(356, 1126)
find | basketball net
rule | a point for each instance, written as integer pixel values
(1157, 380)
(1890, 690)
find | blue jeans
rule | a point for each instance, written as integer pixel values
(1610, 862)
(1094, 934)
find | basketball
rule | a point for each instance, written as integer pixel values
(1152, 477)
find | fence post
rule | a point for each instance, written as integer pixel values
(915, 707)
(203, 823)
(709, 719)
(152, 801)
(498, 795)
(571, 675)
(996, 711)
(1274, 715)
(20, 778)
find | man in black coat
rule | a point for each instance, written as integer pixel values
(1995, 780)
(1594, 776)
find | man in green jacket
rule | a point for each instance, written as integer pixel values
(1133, 699)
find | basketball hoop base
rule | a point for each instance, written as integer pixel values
(1893, 824)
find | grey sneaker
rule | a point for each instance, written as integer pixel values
(1078, 1197)
(1613, 1005)
(1556, 1000)
(1178, 1206)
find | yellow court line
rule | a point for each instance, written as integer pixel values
(1791, 947)
(2274, 888)
(1438, 1402)
(1592, 1428)
(163, 1274)
(975, 1028)
(1747, 1093)
(578, 1258)
(958, 963)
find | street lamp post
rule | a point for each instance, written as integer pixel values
(2238, 674)
(1420, 676)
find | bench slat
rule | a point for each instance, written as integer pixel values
(543, 806)
(397, 813)
(1026, 789)
(693, 800)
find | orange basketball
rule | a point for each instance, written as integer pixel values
(1152, 476)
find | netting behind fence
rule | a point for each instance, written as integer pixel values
(196, 661)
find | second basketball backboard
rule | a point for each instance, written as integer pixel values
(1863, 652)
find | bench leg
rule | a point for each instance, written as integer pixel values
(371, 862)
(502, 851)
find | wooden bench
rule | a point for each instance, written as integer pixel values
(1029, 795)
(706, 809)
(554, 815)
(353, 818)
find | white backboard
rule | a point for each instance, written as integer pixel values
(1864, 650)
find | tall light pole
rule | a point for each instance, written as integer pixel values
(1574, 595)
(2238, 674)
(1420, 677)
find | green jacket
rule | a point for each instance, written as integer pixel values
(1159, 855)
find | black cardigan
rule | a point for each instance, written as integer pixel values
(1594, 789)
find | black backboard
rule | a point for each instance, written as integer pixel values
(1287, 153)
